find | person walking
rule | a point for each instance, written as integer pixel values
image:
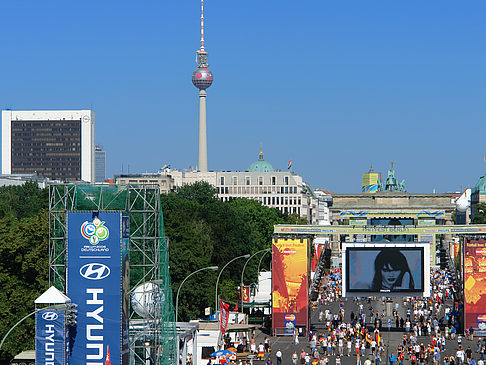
(278, 356)
(266, 343)
(295, 358)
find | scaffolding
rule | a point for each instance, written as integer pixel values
(154, 337)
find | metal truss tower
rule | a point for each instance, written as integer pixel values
(152, 338)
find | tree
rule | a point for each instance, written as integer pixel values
(480, 217)
(23, 277)
(204, 231)
(23, 200)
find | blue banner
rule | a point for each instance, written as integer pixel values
(125, 287)
(94, 282)
(49, 337)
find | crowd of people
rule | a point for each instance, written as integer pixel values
(427, 324)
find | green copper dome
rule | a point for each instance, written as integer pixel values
(261, 165)
(481, 185)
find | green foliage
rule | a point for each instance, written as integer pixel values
(23, 277)
(204, 231)
(23, 200)
(480, 217)
(24, 233)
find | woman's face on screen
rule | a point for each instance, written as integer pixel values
(389, 276)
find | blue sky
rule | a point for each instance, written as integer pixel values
(332, 85)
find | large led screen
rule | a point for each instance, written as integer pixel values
(386, 269)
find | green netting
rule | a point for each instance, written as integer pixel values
(149, 262)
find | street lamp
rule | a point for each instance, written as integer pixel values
(243, 272)
(261, 259)
(59, 307)
(217, 281)
(214, 268)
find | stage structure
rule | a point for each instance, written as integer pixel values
(152, 335)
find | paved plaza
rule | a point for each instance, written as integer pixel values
(392, 337)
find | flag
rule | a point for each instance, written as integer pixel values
(290, 164)
(108, 359)
(484, 157)
(223, 316)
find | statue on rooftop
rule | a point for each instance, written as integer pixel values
(391, 183)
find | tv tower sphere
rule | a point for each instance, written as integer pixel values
(202, 78)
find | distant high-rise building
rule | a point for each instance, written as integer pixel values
(370, 181)
(100, 164)
(57, 144)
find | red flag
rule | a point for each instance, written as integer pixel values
(108, 358)
(223, 316)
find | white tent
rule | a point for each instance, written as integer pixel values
(52, 296)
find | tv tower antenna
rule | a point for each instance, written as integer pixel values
(202, 25)
(202, 78)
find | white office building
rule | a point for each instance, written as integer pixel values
(55, 144)
(283, 190)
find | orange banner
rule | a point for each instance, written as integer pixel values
(475, 285)
(290, 282)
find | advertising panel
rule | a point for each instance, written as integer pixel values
(475, 285)
(94, 282)
(397, 270)
(246, 294)
(125, 286)
(290, 282)
(224, 316)
(49, 337)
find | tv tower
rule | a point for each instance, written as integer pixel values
(202, 78)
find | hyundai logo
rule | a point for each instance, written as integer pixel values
(94, 271)
(49, 316)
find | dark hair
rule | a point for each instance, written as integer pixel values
(393, 257)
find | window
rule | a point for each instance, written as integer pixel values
(235, 180)
(222, 180)
(274, 180)
(206, 351)
(260, 180)
(286, 180)
(247, 180)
